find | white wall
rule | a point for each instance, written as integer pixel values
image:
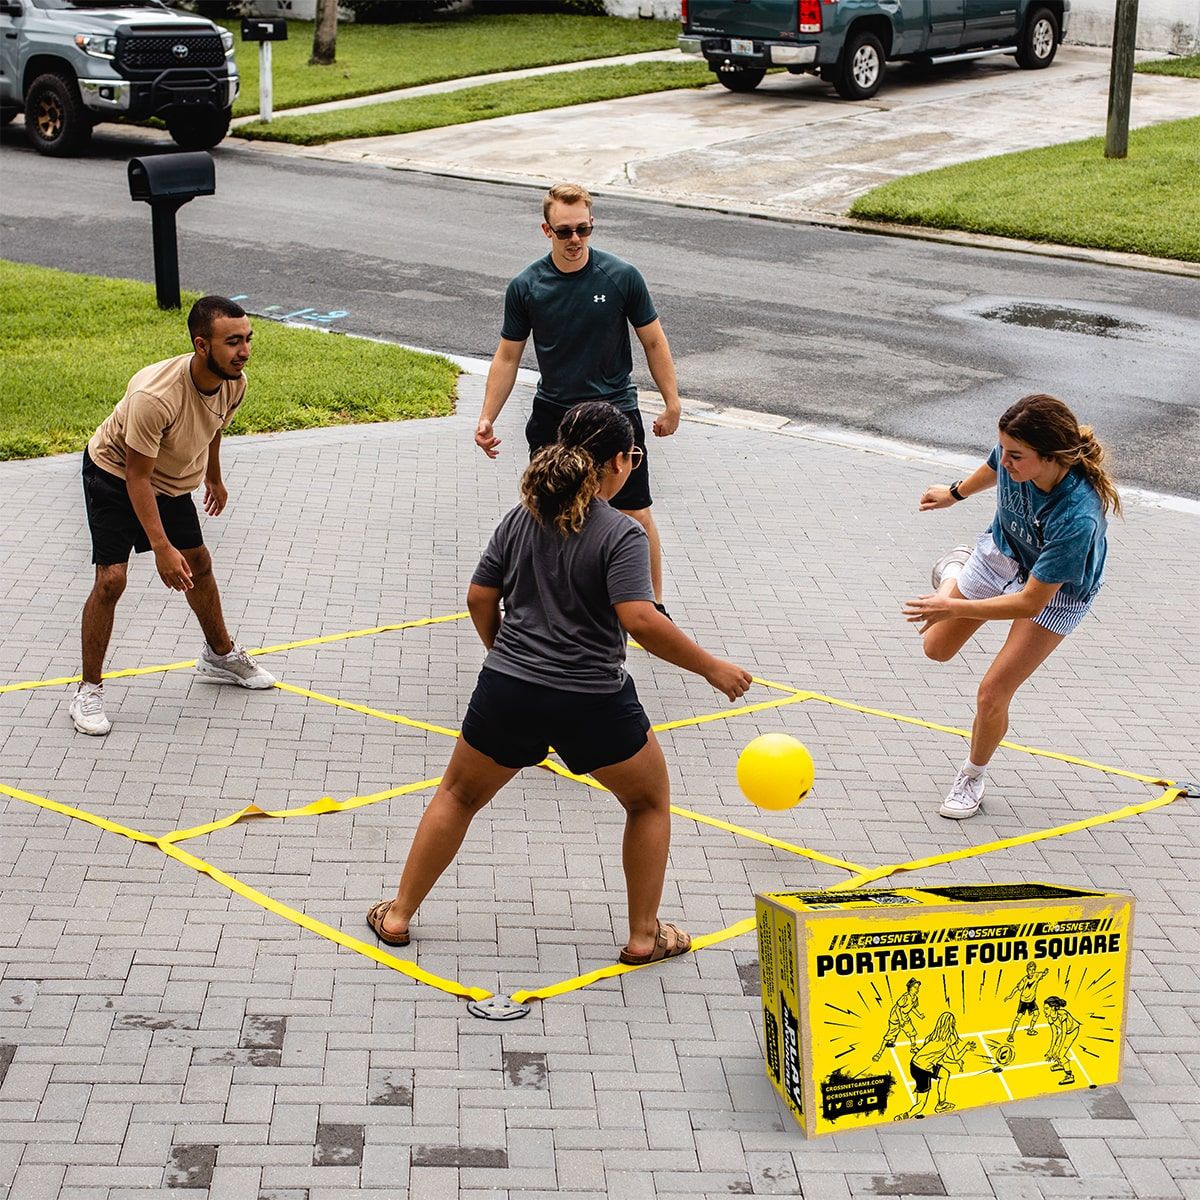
(1170, 25)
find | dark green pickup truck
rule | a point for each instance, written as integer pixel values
(847, 42)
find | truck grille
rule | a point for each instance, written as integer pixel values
(141, 53)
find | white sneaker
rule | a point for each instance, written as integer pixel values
(87, 710)
(965, 798)
(956, 557)
(235, 667)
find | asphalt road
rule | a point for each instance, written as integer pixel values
(922, 342)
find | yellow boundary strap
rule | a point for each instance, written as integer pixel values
(1130, 810)
(253, 895)
(326, 804)
(367, 711)
(582, 981)
(129, 672)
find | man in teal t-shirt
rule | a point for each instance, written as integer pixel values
(578, 303)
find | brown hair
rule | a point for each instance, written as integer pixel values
(1049, 427)
(565, 193)
(561, 482)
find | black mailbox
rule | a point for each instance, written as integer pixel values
(167, 182)
(256, 30)
(174, 177)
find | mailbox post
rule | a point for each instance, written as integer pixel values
(167, 182)
(264, 33)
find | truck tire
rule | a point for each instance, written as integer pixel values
(859, 72)
(201, 129)
(1039, 40)
(740, 79)
(55, 119)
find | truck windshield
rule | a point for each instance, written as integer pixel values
(99, 4)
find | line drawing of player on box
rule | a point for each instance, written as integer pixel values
(928, 1063)
(900, 1019)
(1027, 985)
(1064, 1030)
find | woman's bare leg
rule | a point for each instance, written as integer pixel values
(1025, 649)
(641, 785)
(470, 782)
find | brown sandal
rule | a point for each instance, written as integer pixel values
(662, 948)
(375, 918)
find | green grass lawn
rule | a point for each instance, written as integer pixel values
(69, 344)
(377, 58)
(1187, 66)
(1147, 203)
(481, 103)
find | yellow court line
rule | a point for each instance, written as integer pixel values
(1130, 810)
(740, 830)
(326, 804)
(367, 711)
(129, 672)
(255, 897)
(453, 987)
(611, 972)
(966, 733)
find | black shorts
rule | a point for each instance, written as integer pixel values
(115, 527)
(542, 428)
(515, 723)
(922, 1079)
(1026, 1006)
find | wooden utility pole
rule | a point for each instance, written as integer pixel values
(1120, 80)
(324, 49)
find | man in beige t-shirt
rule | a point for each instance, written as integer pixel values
(139, 471)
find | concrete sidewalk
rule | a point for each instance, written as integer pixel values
(161, 1036)
(790, 149)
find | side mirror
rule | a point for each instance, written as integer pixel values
(11, 8)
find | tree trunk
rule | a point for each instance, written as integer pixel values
(324, 49)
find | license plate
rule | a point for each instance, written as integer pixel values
(740, 46)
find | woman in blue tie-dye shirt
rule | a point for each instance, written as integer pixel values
(1039, 565)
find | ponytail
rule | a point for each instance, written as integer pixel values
(561, 482)
(1048, 426)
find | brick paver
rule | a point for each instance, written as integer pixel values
(161, 1036)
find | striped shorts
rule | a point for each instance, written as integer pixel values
(990, 572)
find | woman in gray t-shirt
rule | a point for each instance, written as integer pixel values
(574, 575)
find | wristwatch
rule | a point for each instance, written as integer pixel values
(954, 490)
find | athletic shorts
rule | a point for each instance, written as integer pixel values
(515, 723)
(990, 572)
(1026, 1006)
(115, 527)
(542, 428)
(922, 1078)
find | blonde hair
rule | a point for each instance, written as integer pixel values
(565, 193)
(1049, 427)
(562, 480)
(944, 1030)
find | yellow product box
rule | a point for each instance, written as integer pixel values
(897, 1005)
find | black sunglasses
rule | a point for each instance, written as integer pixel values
(565, 232)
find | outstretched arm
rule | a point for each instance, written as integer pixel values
(1028, 602)
(938, 494)
(664, 639)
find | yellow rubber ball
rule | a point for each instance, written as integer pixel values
(775, 771)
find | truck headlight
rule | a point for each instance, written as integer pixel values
(227, 42)
(98, 45)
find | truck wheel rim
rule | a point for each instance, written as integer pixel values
(49, 118)
(1043, 38)
(865, 66)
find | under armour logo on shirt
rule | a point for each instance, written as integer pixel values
(599, 299)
